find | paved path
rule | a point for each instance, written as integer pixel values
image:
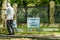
(30, 36)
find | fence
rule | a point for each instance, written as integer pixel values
(35, 11)
(57, 14)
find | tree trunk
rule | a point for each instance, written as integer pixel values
(52, 7)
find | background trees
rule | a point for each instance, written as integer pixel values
(34, 2)
(1, 3)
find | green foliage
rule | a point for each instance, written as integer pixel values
(1, 3)
(32, 2)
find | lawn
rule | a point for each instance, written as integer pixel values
(23, 29)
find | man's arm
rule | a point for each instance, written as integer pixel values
(14, 16)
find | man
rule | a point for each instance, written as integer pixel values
(9, 16)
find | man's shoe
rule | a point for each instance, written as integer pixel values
(8, 34)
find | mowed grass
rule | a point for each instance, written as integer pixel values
(35, 30)
(26, 30)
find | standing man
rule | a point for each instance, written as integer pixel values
(9, 16)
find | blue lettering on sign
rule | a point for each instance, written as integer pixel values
(33, 22)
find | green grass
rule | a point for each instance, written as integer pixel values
(32, 30)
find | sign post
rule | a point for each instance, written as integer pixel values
(33, 22)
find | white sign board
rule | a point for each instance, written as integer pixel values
(33, 22)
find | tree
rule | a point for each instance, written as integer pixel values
(32, 2)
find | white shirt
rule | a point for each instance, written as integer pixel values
(9, 13)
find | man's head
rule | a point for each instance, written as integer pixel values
(8, 4)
